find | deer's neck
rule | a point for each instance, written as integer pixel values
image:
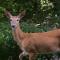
(18, 34)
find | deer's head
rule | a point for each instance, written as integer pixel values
(14, 20)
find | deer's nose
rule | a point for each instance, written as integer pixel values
(13, 26)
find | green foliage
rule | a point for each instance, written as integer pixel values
(37, 10)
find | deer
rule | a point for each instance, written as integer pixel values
(33, 43)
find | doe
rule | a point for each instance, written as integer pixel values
(33, 43)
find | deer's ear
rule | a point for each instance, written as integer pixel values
(22, 14)
(7, 13)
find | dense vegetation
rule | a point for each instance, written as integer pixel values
(46, 13)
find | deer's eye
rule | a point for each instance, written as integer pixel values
(10, 20)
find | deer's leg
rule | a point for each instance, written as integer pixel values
(22, 54)
(32, 56)
(55, 50)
